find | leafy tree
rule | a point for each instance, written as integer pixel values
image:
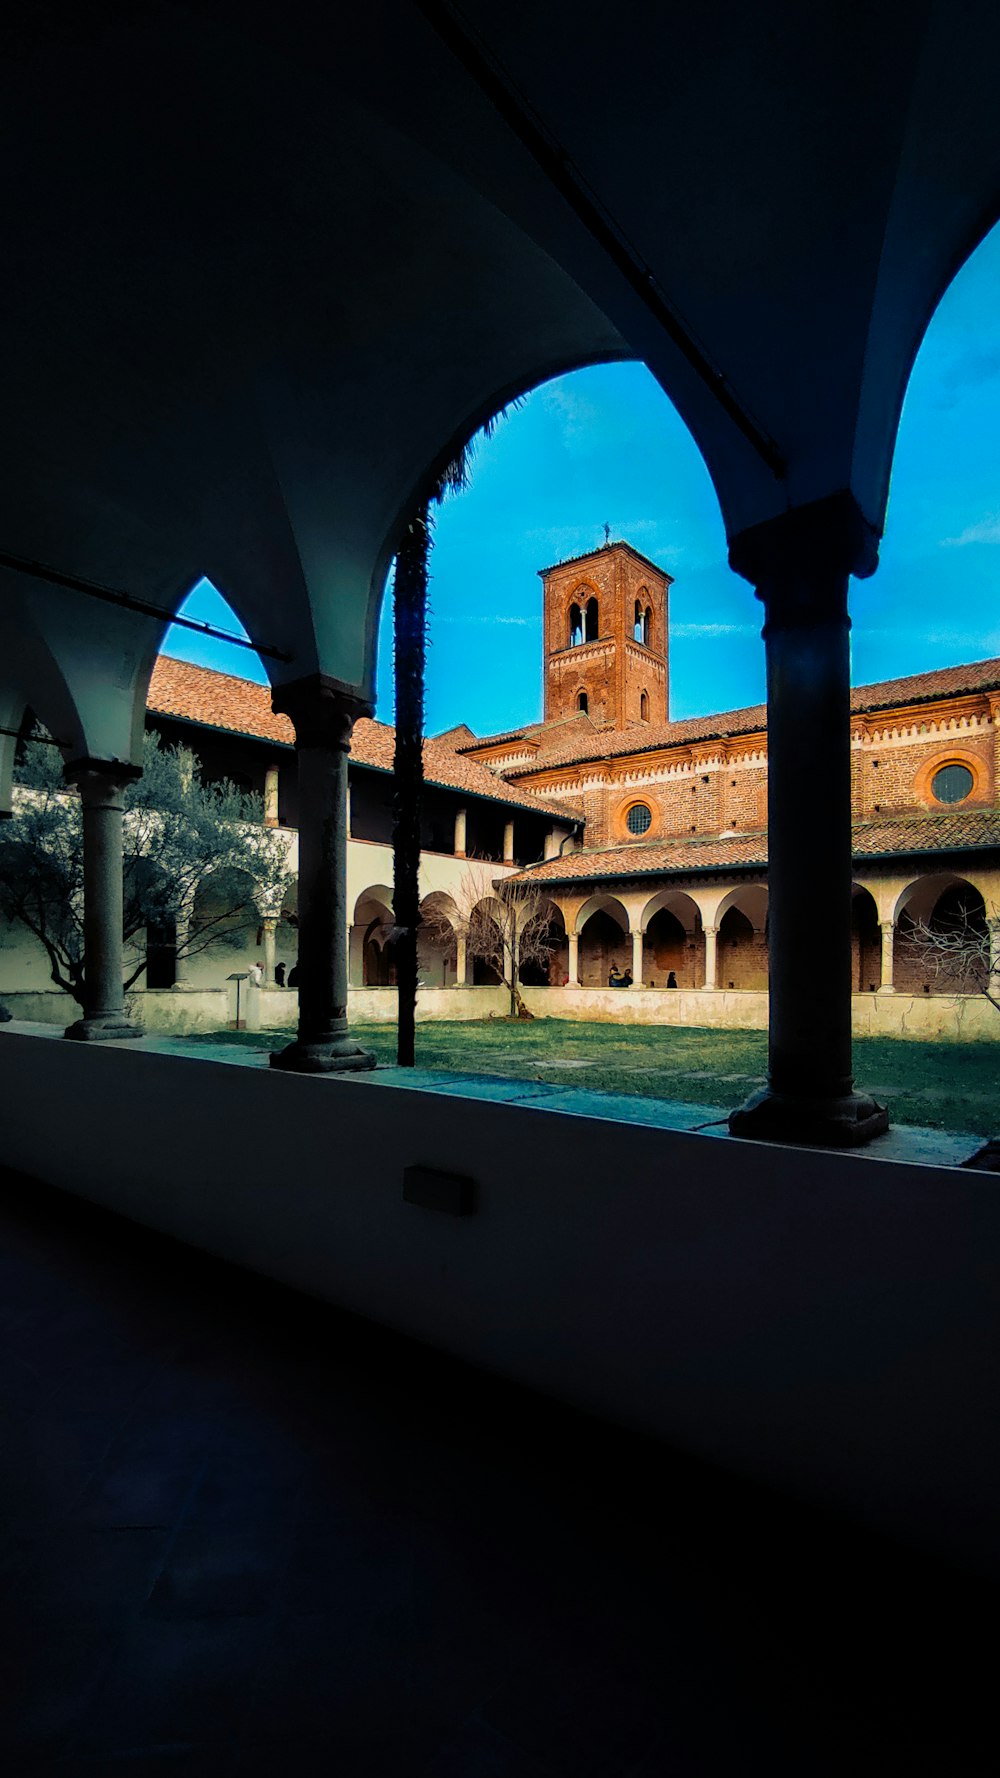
(185, 841)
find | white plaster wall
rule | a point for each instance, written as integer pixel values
(369, 864)
(651, 1006)
(275, 1009)
(828, 1323)
(955, 1018)
(184, 1009)
(375, 1005)
(952, 1017)
(44, 1006)
(23, 962)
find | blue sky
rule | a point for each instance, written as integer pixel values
(606, 445)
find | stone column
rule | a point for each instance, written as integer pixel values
(508, 842)
(460, 833)
(347, 805)
(461, 960)
(102, 784)
(271, 797)
(270, 926)
(888, 931)
(323, 712)
(799, 564)
(573, 961)
(711, 956)
(636, 959)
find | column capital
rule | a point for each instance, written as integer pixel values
(323, 710)
(799, 562)
(101, 782)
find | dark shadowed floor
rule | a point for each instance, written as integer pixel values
(244, 1534)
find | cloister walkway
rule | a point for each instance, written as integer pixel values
(246, 1534)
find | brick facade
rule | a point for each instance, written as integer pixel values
(625, 679)
(700, 785)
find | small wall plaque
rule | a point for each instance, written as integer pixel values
(453, 1193)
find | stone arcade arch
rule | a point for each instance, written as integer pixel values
(941, 902)
(602, 932)
(438, 949)
(483, 969)
(673, 941)
(371, 951)
(742, 939)
(866, 942)
(554, 972)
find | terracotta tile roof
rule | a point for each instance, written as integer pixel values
(570, 746)
(216, 700)
(556, 747)
(919, 688)
(241, 707)
(612, 543)
(904, 835)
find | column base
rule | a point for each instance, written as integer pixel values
(335, 1055)
(985, 1159)
(103, 1028)
(847, 1122)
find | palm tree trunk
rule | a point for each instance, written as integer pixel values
(409, 636)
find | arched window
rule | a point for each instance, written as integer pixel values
(643, 706)
(575, 626)
(582, 702)
(637, 625)
(592, 630)
(647, 624)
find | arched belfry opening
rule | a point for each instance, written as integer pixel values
(575, 626)
(592, 624)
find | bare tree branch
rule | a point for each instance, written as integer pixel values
(961, 952)
(505, 924)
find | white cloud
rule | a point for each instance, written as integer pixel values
(986, 530)
(977, 642)
(714, 629)
(521, 623)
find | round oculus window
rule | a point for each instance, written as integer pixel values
(639, 819)
(952, 784)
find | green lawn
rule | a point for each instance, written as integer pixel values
(945, 1086)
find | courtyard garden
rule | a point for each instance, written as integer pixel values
(943, 1086)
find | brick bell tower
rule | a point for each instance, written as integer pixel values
(606, 636)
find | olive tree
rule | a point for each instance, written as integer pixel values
(182, 837)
